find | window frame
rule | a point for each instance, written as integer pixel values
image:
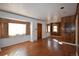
(16, 24)
(48, 29)
(58, 24)
(6, 21)
(55, 28)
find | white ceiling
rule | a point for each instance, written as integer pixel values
(40, 10)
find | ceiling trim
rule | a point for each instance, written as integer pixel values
(20, 15)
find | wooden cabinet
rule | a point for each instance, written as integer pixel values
(68, 29)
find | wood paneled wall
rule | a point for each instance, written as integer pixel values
(12, 21)
(68, 37)
(0, 30)
(28, 28)
(58, 24)
(77, 14)
(4, 27)
(3, 30)
(78, 20)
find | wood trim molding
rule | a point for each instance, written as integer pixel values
(77, 9)
(29, 29)
(11, 21)
(68, 36)
(4, 27)
(19, 14)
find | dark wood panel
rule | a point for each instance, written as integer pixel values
(28, 28)
(78, 20)
(4, 26)
(39, 31)
(0, 30)
(68, 29)
(4, 30)
(78, 24)
(12, 21)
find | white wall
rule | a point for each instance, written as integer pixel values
(13, 40)
(18, 39)
(44, 33)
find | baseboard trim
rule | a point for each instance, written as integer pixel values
(69, 43)
(46, 37)
(62, 42)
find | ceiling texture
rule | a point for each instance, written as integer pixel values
(40, 10)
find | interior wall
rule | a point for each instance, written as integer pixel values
(18, 39)
(44, 33)
(13, 40)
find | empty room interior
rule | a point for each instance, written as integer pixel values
(39, 29)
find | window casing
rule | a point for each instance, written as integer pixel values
(48, 28)
(16, 29)
(55, 28)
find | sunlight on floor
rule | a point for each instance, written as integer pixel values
(58, 41)
(55, 40)
(49, 43)
(55, 43)
(18, 52)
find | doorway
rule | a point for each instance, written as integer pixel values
(39, 31)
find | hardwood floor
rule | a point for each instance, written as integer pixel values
(46, 47)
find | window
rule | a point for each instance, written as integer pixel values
(55, 28)
(16, 29)
(48, 28)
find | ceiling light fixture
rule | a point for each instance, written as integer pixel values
(61, 7)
